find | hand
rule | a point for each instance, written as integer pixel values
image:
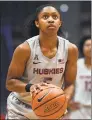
(74, 105)
(37, 87)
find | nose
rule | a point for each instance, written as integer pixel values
(50, 20)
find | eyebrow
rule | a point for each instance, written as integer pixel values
(48, 13)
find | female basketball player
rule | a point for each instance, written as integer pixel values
(44, 58)
(81, 105)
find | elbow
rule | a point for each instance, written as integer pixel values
(9, 85)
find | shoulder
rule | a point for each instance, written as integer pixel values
(22, 50)
(25, 48)
(61, 38)
(65, 41)
(32, 39)
(72, 47)
(72, 51)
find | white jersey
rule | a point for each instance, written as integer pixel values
(40, 68)
(83, 84)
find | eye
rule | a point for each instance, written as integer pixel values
(55, 17)
(45, 16)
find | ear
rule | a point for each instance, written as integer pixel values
(37, 24)
(60, 23)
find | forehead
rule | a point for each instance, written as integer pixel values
(49, 9)
(88, 41)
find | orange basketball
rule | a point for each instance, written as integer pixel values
(50, 103)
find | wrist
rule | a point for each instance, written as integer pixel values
(27, 87)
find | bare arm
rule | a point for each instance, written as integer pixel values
(71, 70)
(17, 67)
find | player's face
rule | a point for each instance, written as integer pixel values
(87, 48)
(49, 20)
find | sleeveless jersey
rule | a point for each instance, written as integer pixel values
(83, 84)
(40, 68)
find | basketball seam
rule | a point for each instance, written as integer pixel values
(55, 111)
(40, 91)
(48, 101)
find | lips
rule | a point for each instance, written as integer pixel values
(51, 26)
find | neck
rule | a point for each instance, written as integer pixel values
(88, 62)
(48, 41)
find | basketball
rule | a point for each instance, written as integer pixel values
(50, 103)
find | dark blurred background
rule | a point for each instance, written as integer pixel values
(76, 16)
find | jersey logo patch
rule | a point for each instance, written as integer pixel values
(41, 98)
(36, 57)
(36, 60)
(61, 61)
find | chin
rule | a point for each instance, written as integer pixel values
(50, 33)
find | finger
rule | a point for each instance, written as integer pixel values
(44, 84)
(33, 90)
(38, 87)
(48, 83)
(65, 112)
